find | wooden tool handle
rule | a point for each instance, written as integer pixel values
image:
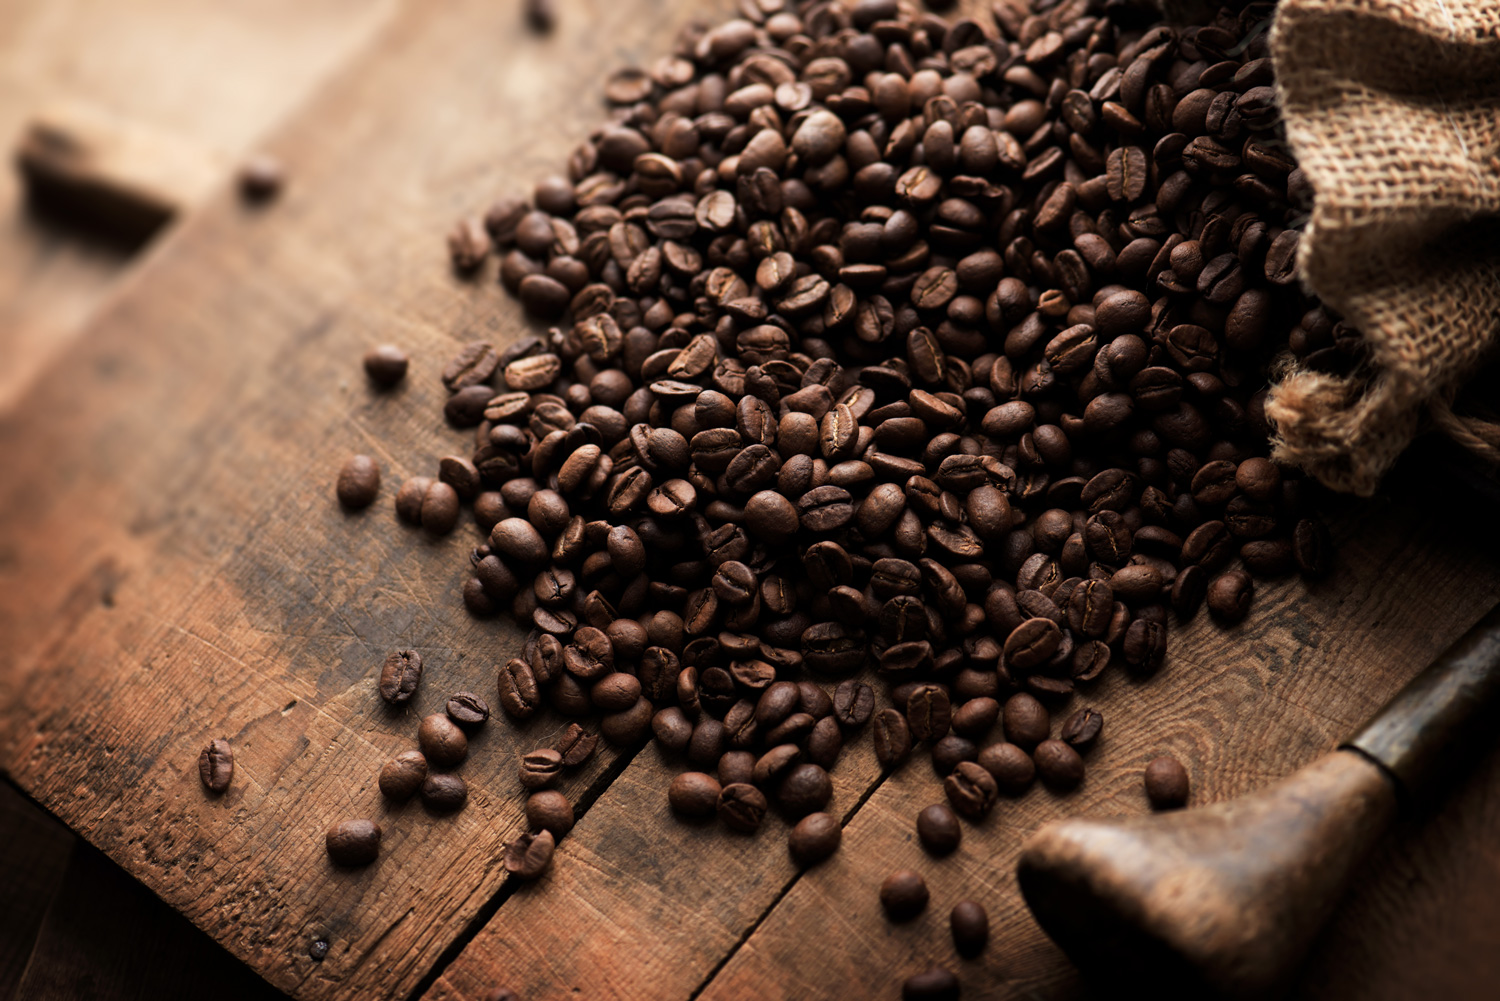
(1225, 900)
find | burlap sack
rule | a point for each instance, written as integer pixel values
(1391, 109)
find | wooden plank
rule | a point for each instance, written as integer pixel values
(219, 590)
(106, 938)
(217, 76)
(1239, 709)
(31, 869)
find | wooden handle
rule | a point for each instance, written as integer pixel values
(1225, 900)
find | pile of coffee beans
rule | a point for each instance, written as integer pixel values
(891, 348)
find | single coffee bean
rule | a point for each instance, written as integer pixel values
(938, 829)
(1229, 596)
(971, 789)
(934, 984)
(467, 709)
(1011, 767)
(528, 856)
(541, 768)
(444, 792)
(1166, 783)
(385, 365)
(814, 838)
(853, 704)
(549, 810)
(952, 749)
(353, 842)
(359, 482)
(577, 745)
(402, 776)
(1082, 729)
(928, 713)
(903, 894)
(1032, 643)
(216, 765)
(1058, 764)
(519, 696)
(970, 924)
(742, 807)
(1026, 721)
(400, 676)
(440, 508)
(694, 794)
(442, 741)
(892, 738)
(805, 788)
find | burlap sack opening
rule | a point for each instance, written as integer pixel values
(1391, 109)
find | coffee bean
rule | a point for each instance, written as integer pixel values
(467, 709)
(402, 776)
(971, 789)
(444, 792)
(903, 894)
(1229, 596)
(814, 838)
(216, 765)
(928, 713)
(1032, 643)
(970, 924)
(1058, 764)
(938, 829)
(1082, 729)
(577, 745)
(353, 842)
(519, 695)
(742, 807)
(694, 794)
(385, 365)
(853, 704)
(549, 810)
(892, 738)
(1010, 765)
(440, 508)
(541, 768)
(975, 717)
(934, 984)
(529, 855)
(1166, 783)
(1026, 721)
(359, 482)
(400, 676)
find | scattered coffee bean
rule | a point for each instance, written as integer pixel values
(1010, 766)
(1058, 764)
(938, 829)
(216, 765)
(1166, 783)
(694, 794)
(970, 924)
(353, 842)
(467, 709)
(549, 810)
(529, 855)
(385, 365)
(1082, 729)
(814, 839)
(358, 483)
(742, 807)
(442, 741)
(444, 792)
(972, 789)
(541, 768)
(1026, 721)
(935, 984)
(402, 776)
(1229, 596)
(400, 676)
(903, 895)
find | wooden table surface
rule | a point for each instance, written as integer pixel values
(173, 567)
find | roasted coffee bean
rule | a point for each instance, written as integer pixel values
(975, 717)
(1229, 596)
(359, 482)
(216, 765)
(385, 365)
(400, 676)
(970, 925)
(892, 738)
(577, 745)
(1026, 721)
(694, 794)
(742, 807)
(903, 894)
(814, 838)
(540, 768)
(804, 788)
(529, 855)
(952, 749)
(938, 829)
(519, 696)
(444, 792)
(971, 789)
(402, 776)
(1010, 765)
(1031, 644)
(467, 709)
(934, 984)
(549, 810)
(353, 842)
(928, 713)
(1058, 764)
(1082, 729)
(442, 741)
(1166, 783)
(853, 704)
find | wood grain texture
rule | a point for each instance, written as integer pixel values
(179, 567)
(217, 76)
(1239, 708)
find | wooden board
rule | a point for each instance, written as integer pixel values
(174, 567)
